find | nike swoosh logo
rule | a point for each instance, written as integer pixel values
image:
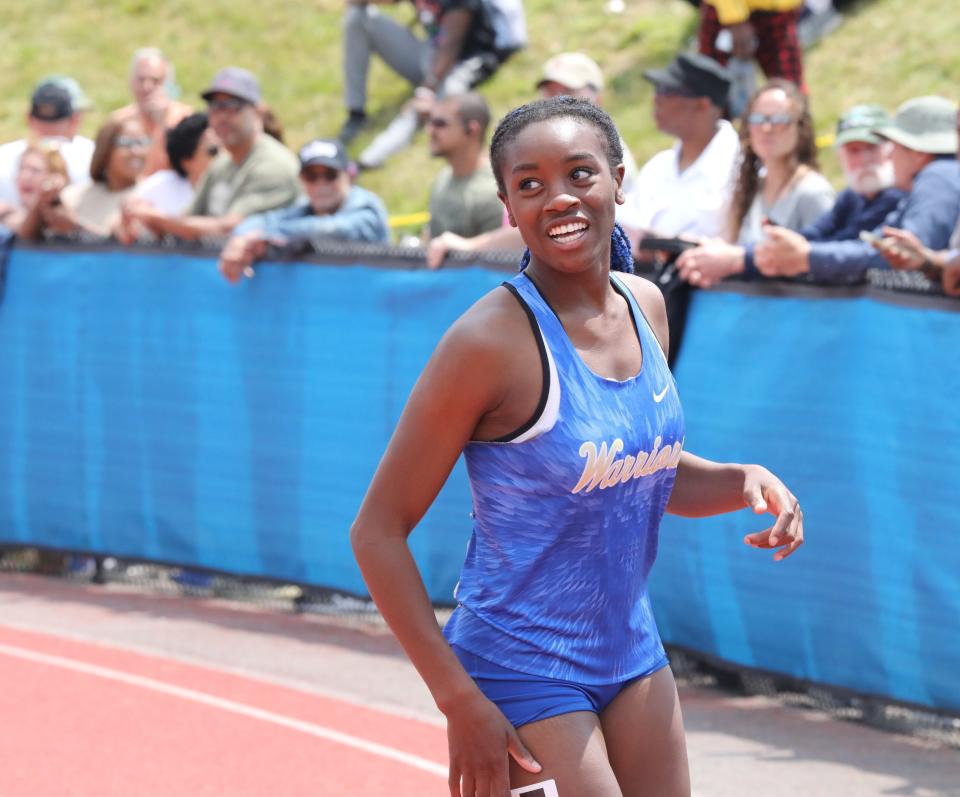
(658, 397)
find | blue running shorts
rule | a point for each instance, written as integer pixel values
(527, 698)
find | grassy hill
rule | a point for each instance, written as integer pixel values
(886, 51)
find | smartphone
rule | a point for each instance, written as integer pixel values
(930, 271)
(547, 788)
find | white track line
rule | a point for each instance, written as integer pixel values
(211, 666)
(240, 709)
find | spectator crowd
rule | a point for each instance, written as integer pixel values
(739, 193)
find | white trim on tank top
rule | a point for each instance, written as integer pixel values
(551, 407)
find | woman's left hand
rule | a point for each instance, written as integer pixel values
(764, 492)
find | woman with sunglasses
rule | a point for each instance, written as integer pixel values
(93, 208)
(778, 182)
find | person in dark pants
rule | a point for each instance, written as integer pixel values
(765, 30)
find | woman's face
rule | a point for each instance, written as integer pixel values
(30, 174)
(128, 156)
(561, 193)
(773, 126)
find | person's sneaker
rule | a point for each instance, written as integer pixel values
(352, 127)
(398, 134)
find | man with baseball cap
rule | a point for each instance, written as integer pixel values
(868, 199)
(572, 74)
(578, 75)
(333, 209)
(255, 172)
(924, 154)
(683, 191)
(54, 117)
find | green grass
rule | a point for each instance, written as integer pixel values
(886, 51)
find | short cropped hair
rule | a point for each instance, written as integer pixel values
(471, 107)
(183, 139)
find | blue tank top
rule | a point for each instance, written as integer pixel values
(566, 516)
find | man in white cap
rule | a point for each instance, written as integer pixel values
(254, 174)
(924, 137)
(578, 75)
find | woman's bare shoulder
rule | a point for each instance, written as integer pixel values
(490, 325)
(481, 357)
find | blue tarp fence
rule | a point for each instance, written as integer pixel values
(150, 410)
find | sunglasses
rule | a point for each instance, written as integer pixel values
(314, 175)
(757, 119)
(438, 121)
(131, 142)
(231, 104)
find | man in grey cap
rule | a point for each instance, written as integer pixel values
(924, 138)
(54, 117)
(254, 174)
(333, 209)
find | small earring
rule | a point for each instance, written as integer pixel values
(512, 221)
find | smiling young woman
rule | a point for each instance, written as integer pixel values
(555, 387)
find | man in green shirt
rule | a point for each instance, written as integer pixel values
(463, 198)
(256, 173)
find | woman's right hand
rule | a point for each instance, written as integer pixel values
(481, 740)
(50, 190)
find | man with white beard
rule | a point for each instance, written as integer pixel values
(863, 205)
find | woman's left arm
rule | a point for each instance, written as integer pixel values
(707, 488)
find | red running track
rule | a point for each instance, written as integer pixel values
(84, 719)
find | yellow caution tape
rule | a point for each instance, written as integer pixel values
(410, 219)
(825, 140)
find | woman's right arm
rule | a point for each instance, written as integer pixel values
(463, 381)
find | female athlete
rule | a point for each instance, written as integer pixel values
(556, 389)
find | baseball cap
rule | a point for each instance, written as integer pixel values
(81, 102)
(924, 124)
(860, 124)
(696, 74)
(324, 152)
(51, 103)
(574, 70)
(236, 82)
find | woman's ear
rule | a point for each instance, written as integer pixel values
(502, 198)
(618, 174)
